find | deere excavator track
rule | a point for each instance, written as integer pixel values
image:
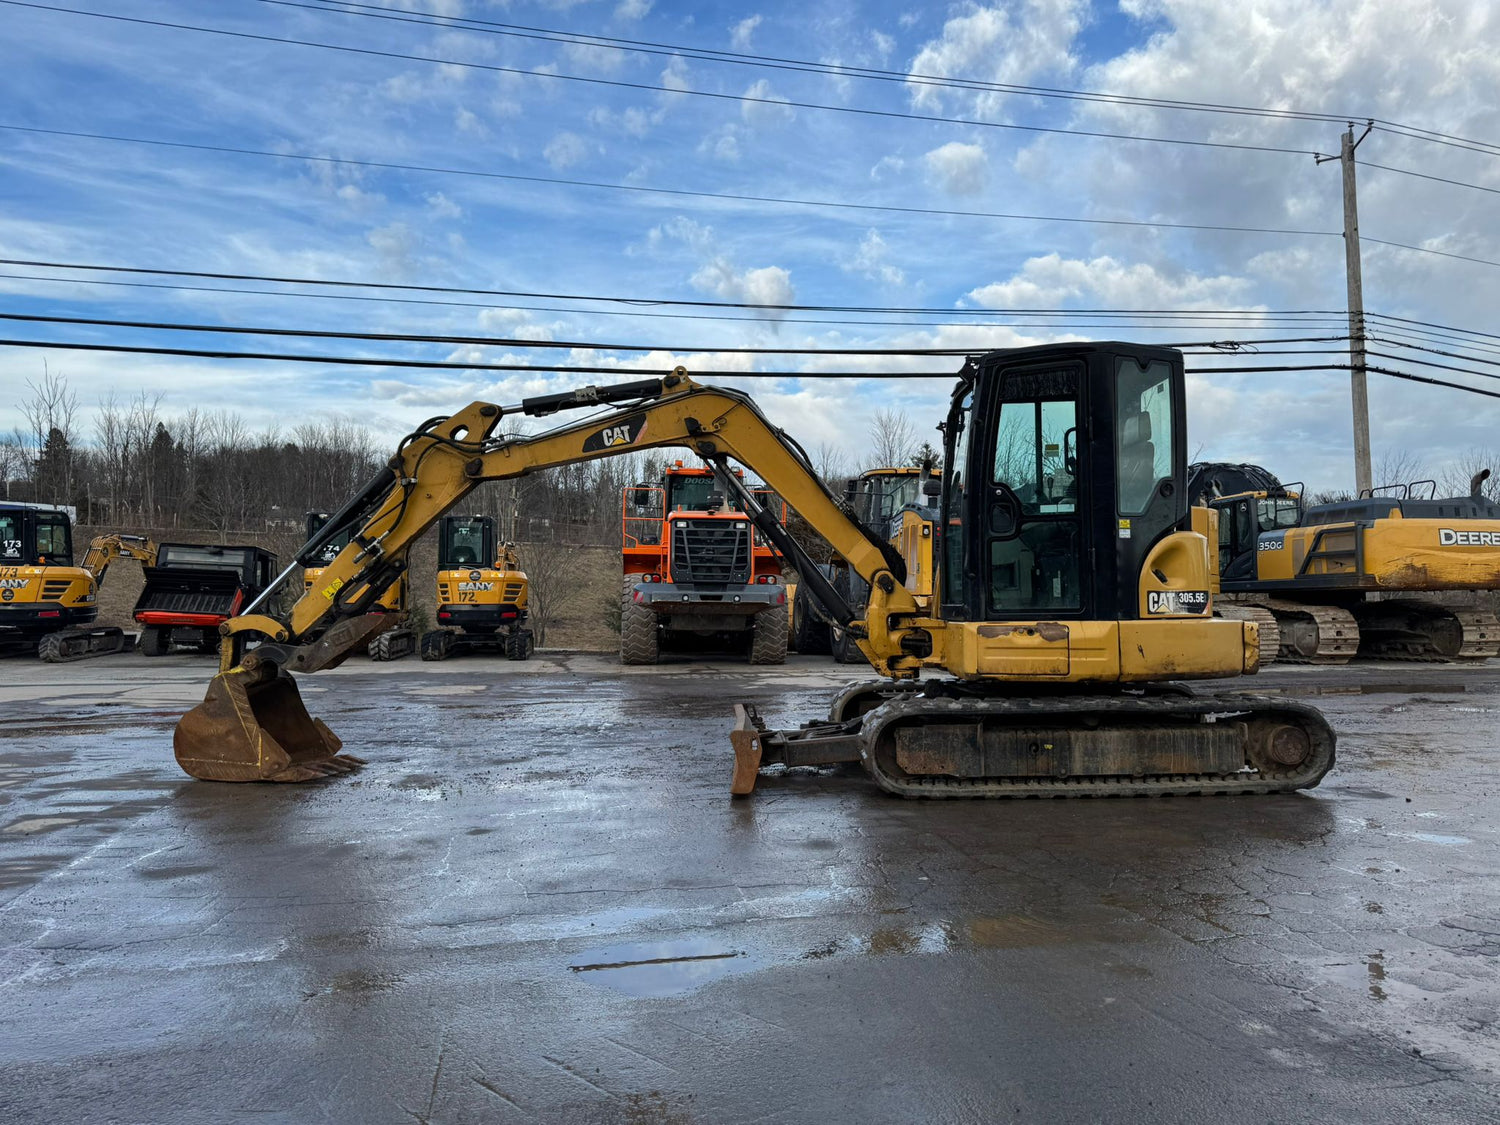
(1310, 634)
(1412, 629)
(1169, 742)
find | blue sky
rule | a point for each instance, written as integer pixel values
(80, 200)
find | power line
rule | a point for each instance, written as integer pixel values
(748, 99)
(1413, 133)
(1441, 327)
(844, 70)
(654, 301)
(1212, 347)
(1427, 176)
(1408, 246)
(774, 62)
(1432, 351)
(366, 361)
(737, 197)
(1267, 323)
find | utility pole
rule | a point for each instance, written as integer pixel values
(1359, 389)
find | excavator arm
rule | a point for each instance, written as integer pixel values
(252, 724)
(105, 549)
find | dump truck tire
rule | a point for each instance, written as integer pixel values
(768, 636)
(155, 641)
(638, 636)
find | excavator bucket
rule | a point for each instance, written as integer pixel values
(253, 726)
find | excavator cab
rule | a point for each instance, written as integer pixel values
(1066, 467)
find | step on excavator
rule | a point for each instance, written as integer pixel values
(1072, 593)
(482, 604)
(47, 604)
(399, 638)
(1330, 582)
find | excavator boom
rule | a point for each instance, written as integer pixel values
(252, 724)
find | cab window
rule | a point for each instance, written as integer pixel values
(10, 538)
(1034, 455)
(1279, 513)
(52, 541)
(1143, 435)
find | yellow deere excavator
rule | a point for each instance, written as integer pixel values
(1329, 582)
(1073, 585)
(47, 604)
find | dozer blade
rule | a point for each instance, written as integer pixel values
(252, 726)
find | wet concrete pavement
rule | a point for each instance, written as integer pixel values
(538, 903)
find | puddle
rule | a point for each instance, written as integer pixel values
(660, 968)
(1435, 838)
(41, 823)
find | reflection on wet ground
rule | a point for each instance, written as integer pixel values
(538, 902)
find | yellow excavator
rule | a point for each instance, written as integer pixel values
(1072, 592)
(47, 604)
(399, 638)
(1354, 578)
(483, 595)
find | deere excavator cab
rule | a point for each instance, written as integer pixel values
(1074, 588)
(395, 642)
(483, 596)
(1329, 582)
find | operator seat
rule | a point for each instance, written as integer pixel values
(1137, 459)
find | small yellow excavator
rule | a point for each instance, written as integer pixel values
(482, 605)
(399, 638)
(1330, 582)
(47, 604)
(1073, 591)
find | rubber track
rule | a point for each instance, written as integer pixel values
(1305, 776)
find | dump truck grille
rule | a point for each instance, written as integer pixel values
(711, 551)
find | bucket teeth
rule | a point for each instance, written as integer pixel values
(253, 726)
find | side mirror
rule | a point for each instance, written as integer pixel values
(851, 488)
(932, 487)
(640, 497)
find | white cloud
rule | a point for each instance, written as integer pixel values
(1052, 281)
(514, 324)
(442, 207)
(629, 10)
(869, 260)
(740, 37)
(958, 168)
(466, 121)
(768, 109)
(565, 150)
(885, 165)
(1013, 45)
(765, 285)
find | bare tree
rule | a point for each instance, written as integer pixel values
(49, 435)
(893, 437)
(1458, 478)
(1399, 466)
(832, 464)
(552, 570)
